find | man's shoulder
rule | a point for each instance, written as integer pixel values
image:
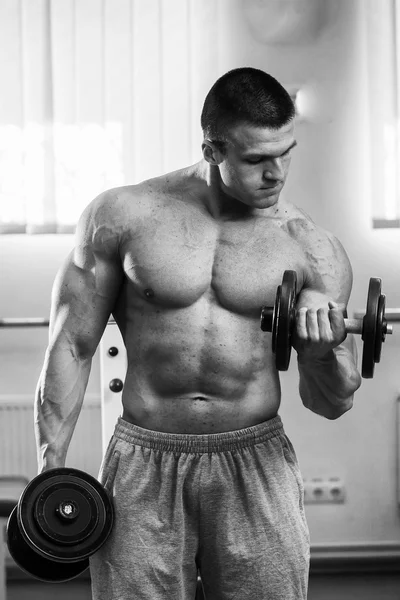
(124, 207)
(146, 195)
(106, 218)
(113, 202)
(326, 258)
(311, 235)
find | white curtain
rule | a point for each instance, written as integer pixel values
(96, 94)
(383, 51)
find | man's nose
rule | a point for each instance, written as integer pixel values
(274, 169)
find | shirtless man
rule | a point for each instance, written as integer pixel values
(201, 471)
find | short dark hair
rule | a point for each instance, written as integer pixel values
(245, 95)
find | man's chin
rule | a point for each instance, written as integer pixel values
(266, 200)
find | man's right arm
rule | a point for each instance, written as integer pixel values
(84, 294)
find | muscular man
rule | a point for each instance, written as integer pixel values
(201, 471)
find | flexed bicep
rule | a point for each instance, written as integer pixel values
(322, 302)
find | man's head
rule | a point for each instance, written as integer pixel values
(247, 121)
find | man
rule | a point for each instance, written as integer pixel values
(201, 471)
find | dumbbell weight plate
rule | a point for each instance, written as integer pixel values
(33, 563)
(374, 328)
(284, 319)
(381, 327)
(63, 516)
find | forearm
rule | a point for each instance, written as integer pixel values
(58, 402)
(327, 385)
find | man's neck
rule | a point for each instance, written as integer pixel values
(221, 204)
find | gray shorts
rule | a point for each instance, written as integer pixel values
(228, 504)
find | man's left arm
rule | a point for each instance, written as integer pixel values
(327, 356)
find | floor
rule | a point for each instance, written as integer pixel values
(384, 586)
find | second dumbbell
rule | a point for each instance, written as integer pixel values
(280, 320)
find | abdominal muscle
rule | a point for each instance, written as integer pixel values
(188, 374)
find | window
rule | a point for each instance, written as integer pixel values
(97, 94)
(383, 56)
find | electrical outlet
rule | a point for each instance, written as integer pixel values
(324, 491)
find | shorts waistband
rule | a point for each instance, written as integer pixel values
(199, 443)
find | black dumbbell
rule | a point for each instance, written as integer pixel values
(62, 517)
(280, 320)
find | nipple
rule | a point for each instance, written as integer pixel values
(149, 293)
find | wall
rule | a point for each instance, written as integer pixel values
(27, 269)
(329, 180)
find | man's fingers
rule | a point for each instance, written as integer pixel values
(321, 325)
(324, 325)
(301, 323)
(337, 322)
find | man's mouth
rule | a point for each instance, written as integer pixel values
(270, 187)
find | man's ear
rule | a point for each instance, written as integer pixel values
(212, 154)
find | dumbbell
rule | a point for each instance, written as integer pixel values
(62, 517)
(280, 320)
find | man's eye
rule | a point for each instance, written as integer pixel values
(253, 161)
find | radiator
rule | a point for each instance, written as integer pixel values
(17, 438)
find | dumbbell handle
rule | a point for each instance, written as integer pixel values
(351, 325)
(356, 326)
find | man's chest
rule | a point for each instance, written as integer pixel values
(238, 263)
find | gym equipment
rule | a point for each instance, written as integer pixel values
(63, 516)
(11, 487)
(28, 322)
(280, 320)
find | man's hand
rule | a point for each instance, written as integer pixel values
(318, 331)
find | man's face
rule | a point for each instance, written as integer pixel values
(255, 164)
